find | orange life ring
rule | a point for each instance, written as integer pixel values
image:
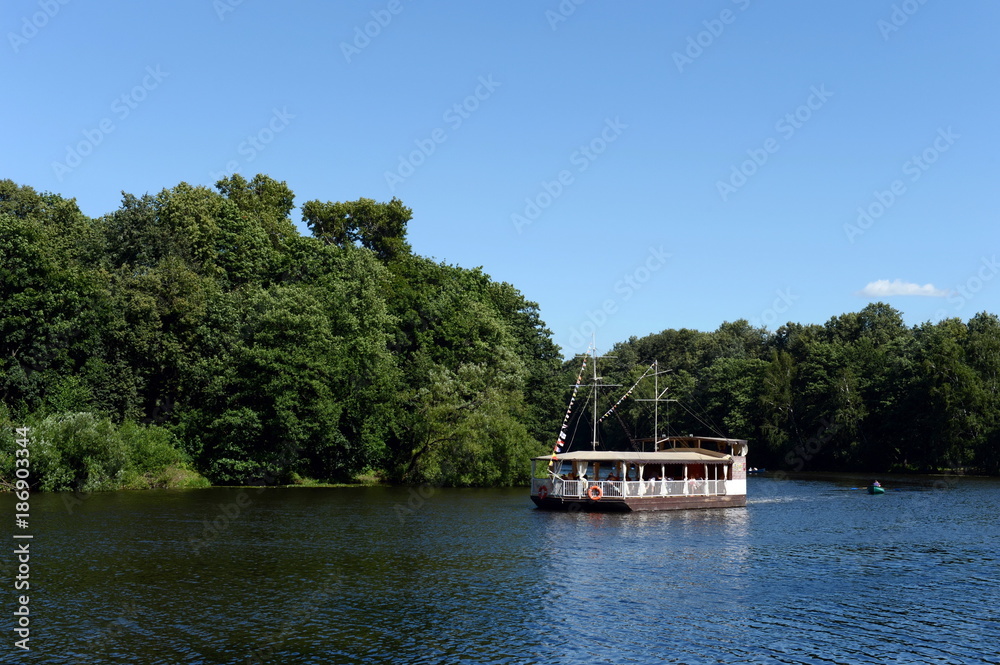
(543, 492)
(595, 493)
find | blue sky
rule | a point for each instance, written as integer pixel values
(629, 166)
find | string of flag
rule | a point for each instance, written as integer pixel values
(627, 393)
(561, 441)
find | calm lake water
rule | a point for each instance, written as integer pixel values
(811, 571)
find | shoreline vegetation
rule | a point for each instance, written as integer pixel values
(195, 338)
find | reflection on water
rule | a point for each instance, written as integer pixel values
(808, 572)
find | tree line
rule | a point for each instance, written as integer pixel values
(862, 392)
(195, 336)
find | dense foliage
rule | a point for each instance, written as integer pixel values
(862, 392)
(198, 330)
(195, 331)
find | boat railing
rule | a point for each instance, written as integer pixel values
(615, 489)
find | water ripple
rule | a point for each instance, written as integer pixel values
(807, 573)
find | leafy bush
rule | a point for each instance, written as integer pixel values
(88, 452)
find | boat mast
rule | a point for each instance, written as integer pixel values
(657, 398)
(593, 441)
(595, 384)
(656, 404)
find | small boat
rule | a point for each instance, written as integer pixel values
(678, 472)
(756, 472)
(876, 489)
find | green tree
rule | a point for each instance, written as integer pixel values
(778, 405)
(380, 227)
(734, 386)
(293, 377)
(942, 405)
(51, 310)
(467, 347)
(465, 430)
(982, 350)
(265, 201)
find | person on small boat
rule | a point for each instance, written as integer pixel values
(876, 483)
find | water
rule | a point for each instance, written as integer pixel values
(810, 571)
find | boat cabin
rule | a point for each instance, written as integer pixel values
(682, 472)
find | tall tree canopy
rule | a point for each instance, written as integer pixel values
(380, 227)
(265, 355)
(861, 392)
(195, 330)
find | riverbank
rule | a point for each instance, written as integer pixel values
(175, 478)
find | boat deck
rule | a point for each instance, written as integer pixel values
(608, 495)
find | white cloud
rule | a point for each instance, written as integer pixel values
(882, 288)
